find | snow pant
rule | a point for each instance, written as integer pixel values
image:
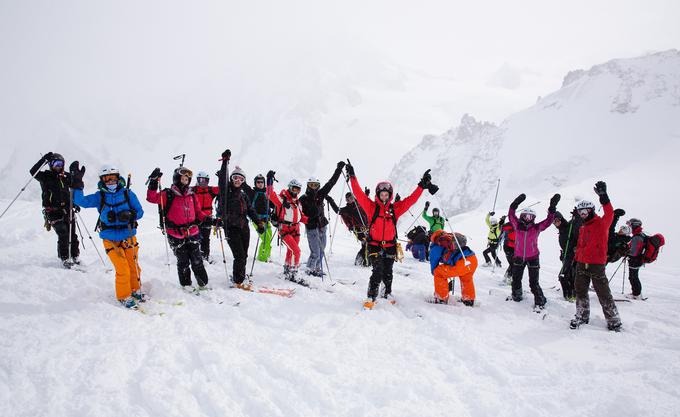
(419, 252)
(238, 240)
(205, 229)
(585, 273)
(123, 256)
(634, 266)
(444, 272)
(382, 261)
(188, 253)
(567, 275)
(518, 271)
(264, 252)
(509, 254)
(316, 238)
(491, 249)
(61, 228)
(292, 242)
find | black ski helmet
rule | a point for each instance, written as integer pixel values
(634, 223)
(383, 186)
(57, 157)
(179, 173)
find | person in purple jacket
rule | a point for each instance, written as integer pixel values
(526, 247)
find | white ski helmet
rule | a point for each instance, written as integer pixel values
(528, 211)
(493, 221)
(294, 183)
(585, 204)
(108, 170)
(313, 180)
(625, 230)
(203, 174)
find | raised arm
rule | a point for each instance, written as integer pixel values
(331, 182)
(402, 206)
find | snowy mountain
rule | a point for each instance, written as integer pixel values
(606, 119)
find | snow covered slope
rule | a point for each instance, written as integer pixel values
(69, 350)
(603, 120)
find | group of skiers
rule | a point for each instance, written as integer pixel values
(587, 241)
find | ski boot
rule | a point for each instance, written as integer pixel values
(486, 265)
(130, 303)
(139, 296)
(390, 299)
(576, 322)
(498, 264)
(469, 303)
(369, 304)
(435, 299)
(614, 327)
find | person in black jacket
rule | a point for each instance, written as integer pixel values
(58, 209)
(312, 203)
(568, 237)
(617, 243)
(234, 217)
(356, 221)
(265, 212)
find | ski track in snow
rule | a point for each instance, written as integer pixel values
(68, 349)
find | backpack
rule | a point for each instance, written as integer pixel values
(376, 214)
(99, 226)
(165, 208)
(413, 233)
(448, 242)
(651, 247)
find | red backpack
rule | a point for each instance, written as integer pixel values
(447, 241)
(652, 247)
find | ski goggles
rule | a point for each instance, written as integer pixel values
(313, 185)
(584, 212)
(383, 186)
(57, 163)
(295, 189)
(185, 172)
(203, 181)
(109, 178)
(238, 178)
(527, 217)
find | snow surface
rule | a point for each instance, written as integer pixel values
(68, 349)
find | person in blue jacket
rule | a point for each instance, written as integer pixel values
(119, 209)
(448, 261)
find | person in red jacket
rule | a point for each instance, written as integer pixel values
(289, 214)
(182, 213)
(205, 195)
(591, 259)
(382, 229)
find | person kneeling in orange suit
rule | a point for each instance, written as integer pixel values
(448, 257)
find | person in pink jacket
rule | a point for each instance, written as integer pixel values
(182, 214)
(526, 247)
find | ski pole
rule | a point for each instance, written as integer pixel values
(91, 240)
(257, 245)
(163, 228)
(22, 189)
(623, 280)
(224, 257)
(496, 198)
(70, 224)
(616, 270)
(337, 216)
(467, 263)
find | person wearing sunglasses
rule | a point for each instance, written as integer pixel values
(312, 203)
(591, 259)
(289, 215)
(182, 213)
(119, 210)
(526, 247)
(382, 229)
(56, 201)
(206, 196)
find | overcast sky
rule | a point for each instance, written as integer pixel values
(61, 57)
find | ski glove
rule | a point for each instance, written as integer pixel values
(397, 198)
(517, 201)
(619, 212)
(260, 228)
(425, 181)
(367, 191)
(432, 189)
(271, 176)
(76, 175)
(553, 203)
(491, 213)
(226, 155)
(350, 169)
(502, 220)
(427, 205)
(601, 190)
(156, 174)
(48, 156)
(217, 222)
(341, 165)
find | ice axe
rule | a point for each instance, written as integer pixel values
(178, 157)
